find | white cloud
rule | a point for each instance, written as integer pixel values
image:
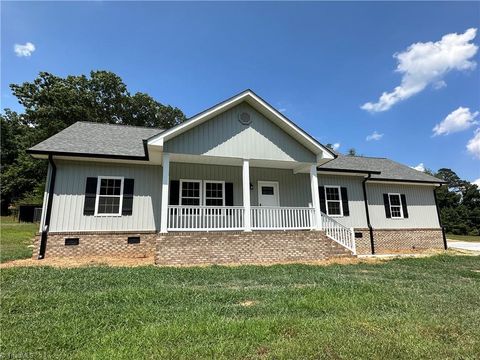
(427, 63)
(282, 110)
(336, 146)
(476, 182)
(457, 120)
(374, 136)
(419, 167)
(473, 145)
(24, 50)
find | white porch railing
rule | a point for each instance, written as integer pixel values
(205, 218)
(282, 218)
(339, 233)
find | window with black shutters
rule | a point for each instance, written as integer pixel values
(190, 192)
(333, 201)
(214, 193)
(396, 211)
(109, 195)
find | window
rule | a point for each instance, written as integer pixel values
(109, 196)
(395, 206)
(214, 193)
(190, 192)
(333, 200)
(267, 190)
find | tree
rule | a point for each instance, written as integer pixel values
(53, 103)
(352, 152)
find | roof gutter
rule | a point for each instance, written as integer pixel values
(319, 168)
(46, 225)
(86, 155)
(365, 199)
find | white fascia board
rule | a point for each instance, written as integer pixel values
(258, 103)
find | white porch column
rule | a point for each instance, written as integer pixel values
(165, 183)
(315, 196)
(246, 194)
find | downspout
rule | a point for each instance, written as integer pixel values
(372, 243)
(445, 245)
(51, 187)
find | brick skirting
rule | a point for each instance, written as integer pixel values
(98, 244)
(388, 241)
(181, 248)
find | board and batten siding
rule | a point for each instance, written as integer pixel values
(422, 211)
(225, 136)
(294, 189)
(69, 196)
(356, 204)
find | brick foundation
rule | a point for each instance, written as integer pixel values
(98, 244)
(388, 241)
(245, 248)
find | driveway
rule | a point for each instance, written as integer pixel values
(464, 245)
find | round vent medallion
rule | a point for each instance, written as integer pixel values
(245, 118)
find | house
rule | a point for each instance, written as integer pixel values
(237, 183)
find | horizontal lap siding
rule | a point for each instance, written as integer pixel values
(69, 195)
(356, 204)
(422, 212)
(225, 136)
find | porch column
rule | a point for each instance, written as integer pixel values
(246, 194)
(315, 197)
(165, 182)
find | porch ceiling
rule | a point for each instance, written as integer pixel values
(229, 161)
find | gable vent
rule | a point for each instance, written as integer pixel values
(245, 118)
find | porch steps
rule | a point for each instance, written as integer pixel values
(238, 247)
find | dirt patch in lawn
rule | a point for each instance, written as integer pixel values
(81, 261)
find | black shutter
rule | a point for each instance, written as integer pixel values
(228, 194)
(90, 196)
(386, 202)
(127, 203)
(323, 207)
(346, 210)
(174, 196)
(404, 206)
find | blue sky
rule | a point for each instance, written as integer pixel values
(319, 63)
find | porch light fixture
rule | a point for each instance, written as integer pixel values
(251, 186)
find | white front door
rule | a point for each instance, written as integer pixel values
(268, 193)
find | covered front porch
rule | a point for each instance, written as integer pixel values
(212, 195)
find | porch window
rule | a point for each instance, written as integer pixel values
(214, 193)
(190, 192)
(333, 198)
(395, 206)
(109, 195)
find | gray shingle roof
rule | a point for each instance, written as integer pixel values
(389, 170)
(89, 138)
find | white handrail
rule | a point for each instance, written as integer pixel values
(205, 218)
(339, 233)
(282, 218)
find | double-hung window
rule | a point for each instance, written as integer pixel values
(190, 192)
(109, 195)
(214, 193)
(396, 210)
(333, 199)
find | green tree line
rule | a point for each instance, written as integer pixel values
(52, 103)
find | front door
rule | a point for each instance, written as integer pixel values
(268, 193)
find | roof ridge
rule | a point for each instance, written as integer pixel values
(367, 157)
(122, 125)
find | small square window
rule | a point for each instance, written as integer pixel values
(267, 190)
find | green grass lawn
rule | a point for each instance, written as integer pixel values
(463, 237)
(15, 238)
(401, 309)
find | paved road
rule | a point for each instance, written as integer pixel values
(464, 245)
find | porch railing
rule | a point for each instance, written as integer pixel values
(282, 218)
(338, 232)
(205, 218)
